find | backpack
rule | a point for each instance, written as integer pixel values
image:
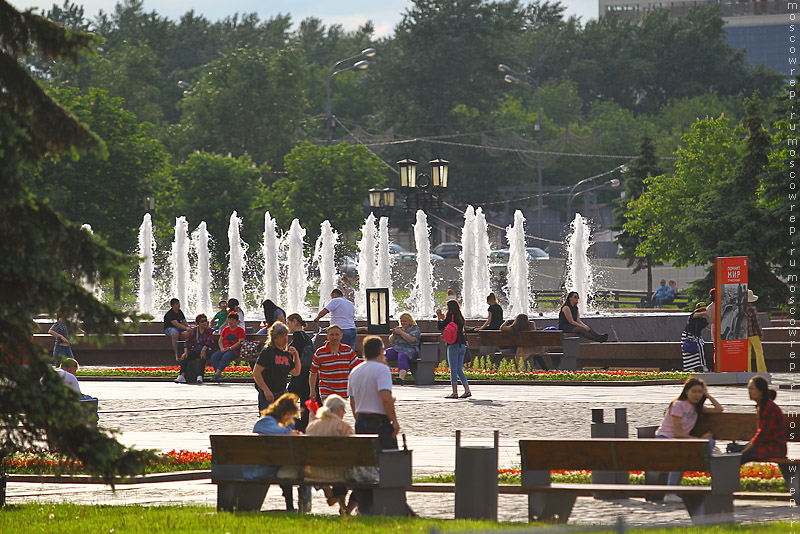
(450, 334)
(308, 351)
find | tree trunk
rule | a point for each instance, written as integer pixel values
(117, 290)
(649, 260)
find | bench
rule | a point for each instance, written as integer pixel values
(548, 501)
(741, 427)
(231, 452)
(489, 340)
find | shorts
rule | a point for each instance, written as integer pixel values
(171, 331)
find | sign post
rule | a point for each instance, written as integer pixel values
(730, 317)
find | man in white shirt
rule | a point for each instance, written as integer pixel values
(370, 390)
(343, 313)
(67, 371)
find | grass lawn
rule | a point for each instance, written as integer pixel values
(70, 518)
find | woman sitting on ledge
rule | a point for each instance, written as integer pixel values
(569, 320)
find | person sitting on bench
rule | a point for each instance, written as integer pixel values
(405, 345)
(569, 320)
(769, 441)
(682, 414)
(521, 323)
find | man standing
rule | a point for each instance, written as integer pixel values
(754, 334)
(370, 392)
(332, 363)
(175, 325)
(343, 313)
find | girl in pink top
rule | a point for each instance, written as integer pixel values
(682, 414)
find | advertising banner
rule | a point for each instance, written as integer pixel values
(730, 319)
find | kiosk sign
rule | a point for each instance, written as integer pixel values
(730, 328)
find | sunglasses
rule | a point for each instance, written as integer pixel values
(203, 320)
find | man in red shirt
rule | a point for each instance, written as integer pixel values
(332, 363)
(230, 342)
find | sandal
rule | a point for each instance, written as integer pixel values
(452, 396)
(466, 395)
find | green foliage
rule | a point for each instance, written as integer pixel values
(325, 183)
(43, 258)
(106, 192)
(249, 101)
(209, 188)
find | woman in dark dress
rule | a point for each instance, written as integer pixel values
(694, 358)
(495, 317)
(569, 320)
(299, 384)
(456, 350)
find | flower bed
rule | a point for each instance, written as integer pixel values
(442, 373)
(30, 464)
(754, 477)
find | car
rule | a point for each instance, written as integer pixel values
(395, 249)
(448, 250)
(413, 256)
(349, 267)
(535, 253)
(501, 257)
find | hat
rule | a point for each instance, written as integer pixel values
(751, 297)
(700, 306)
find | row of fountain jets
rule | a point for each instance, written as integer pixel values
(280, 270)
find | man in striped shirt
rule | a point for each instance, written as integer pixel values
(332, 363)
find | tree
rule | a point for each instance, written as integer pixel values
(42, 257)
(328, 182)
(643, 167)
(249, 101)
(106, 192)
(209, 188)
(712, 205)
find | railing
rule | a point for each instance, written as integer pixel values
(680, 9)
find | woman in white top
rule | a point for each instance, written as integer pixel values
(682, 414)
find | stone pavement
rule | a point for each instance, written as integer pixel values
(167, 416)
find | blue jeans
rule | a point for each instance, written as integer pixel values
(455, 360)
(349, 336)
(60, 352)
(264, 330)
(171, 331)
(220, 360)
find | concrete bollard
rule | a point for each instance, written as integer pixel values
(617, 429)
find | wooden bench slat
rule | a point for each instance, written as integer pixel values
(615, 454)
(323, 451)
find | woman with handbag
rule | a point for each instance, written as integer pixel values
(452, 326)
(692, 340)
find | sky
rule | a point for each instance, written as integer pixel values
(351, 14)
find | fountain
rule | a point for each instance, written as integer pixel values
(201, 282)
(272, 267)
(384, 278)
(475, 260)
(236, 259)
(146, 251)
(325, 256)
(88, 285)
(518, 284)
(421, 298)
(367, 264)
(579, 270)
(180, 263)
(297, 275)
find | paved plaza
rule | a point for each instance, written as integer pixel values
(167, 416)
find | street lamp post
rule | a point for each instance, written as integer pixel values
(381, 201)
(423, 191)
(361, 65)
(614, 182)
(512, 76)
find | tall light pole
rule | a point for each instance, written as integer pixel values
(511, 76)
(361, 65)
(614, 182)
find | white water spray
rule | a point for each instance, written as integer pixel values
(475, 263)
(421, 299)
(201, 293)
(146, 251)
(89, 286)
(297, 278)
(180, 263)
(272, 267)
(367, 264)
(518, 285)
(384, 278)
(325, 256)
(236, 259)
(579, 269)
